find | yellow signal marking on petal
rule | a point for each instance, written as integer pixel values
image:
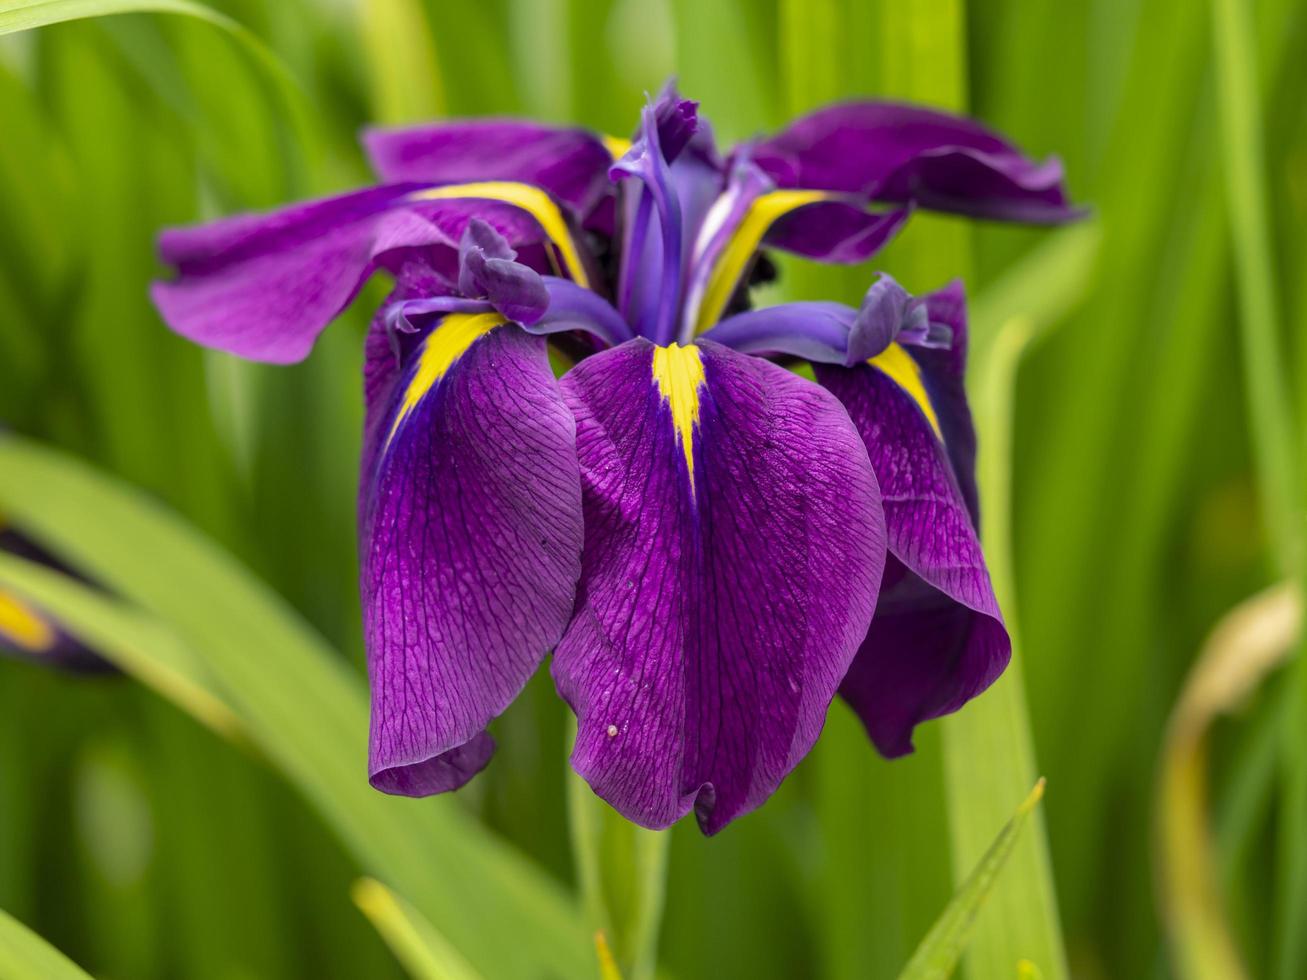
(730, 265)
(23, 625)
(444, 345)
(530, 199)
(906, 373)
(678, 372)
(617, 146)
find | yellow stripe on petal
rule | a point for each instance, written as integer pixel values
(443, 346)
(616, 146)
(23, 626)
(762, 214)
(530, 199)
(678, 372)
(906, 373)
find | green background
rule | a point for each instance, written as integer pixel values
(1150, 436)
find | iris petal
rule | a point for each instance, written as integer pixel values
(264, 286)
(471, 541)
(938, 638)
(723, 594)
(653, 311)
(900, 153)
(571, 165)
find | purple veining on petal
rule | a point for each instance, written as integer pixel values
(470, 543)
(714, 620)
(938, 639)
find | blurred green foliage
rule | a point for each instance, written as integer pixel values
(145, 846)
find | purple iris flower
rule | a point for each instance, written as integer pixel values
(700, 535)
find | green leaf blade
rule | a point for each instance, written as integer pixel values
(939, 952)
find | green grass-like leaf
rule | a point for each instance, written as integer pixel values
(26, 956)
(299, 705)
(425, 953)
(622, 871)
(939, 952)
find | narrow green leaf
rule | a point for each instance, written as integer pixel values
(24, 15)
(1275, 445)
(26, 956)
(1270, 408)
(137, 642)
(938, 954)
(306, 713)
(989, 756)
(425, 953)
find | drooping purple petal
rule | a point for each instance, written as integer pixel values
(899, 153)
(724, 590)
(470, 542)
(570, 164)
(264, 286)
(938, 637)
(924, 657)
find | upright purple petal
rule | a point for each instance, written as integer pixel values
(677, 121)
(751, 213)
(651, 302)
(264, 286)
(470, 543)
(571, 164)
(899, 153)
(938, 637)
(732, 557)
